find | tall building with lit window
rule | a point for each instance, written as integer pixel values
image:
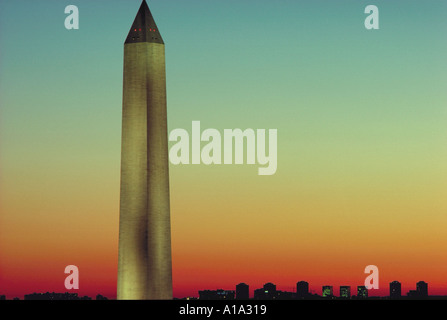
(267, 292)
(345, 292)
(327, 291)
(362, 292)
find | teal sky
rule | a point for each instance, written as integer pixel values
(289, 65)
(310, 69)
(307, 68)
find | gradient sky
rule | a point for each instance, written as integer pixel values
(362, 153)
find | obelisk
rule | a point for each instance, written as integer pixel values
(144, 257)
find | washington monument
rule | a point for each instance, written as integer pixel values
(144, 258)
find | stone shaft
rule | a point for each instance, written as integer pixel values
(144, 259)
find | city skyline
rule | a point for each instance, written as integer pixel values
(269, 291)
(360, 116)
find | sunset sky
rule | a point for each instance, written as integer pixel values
(362, 143)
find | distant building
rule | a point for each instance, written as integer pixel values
(2, 297)
(345, 292)
(395, 290)
(422, 289)
(362, 292)
(285, 295)
(270, 287)
(412, 294)
(242, 291)
(302, 289)
(101, 297)
(268, 292)
(216, 295)
(328, 291)
(55, 296)
(420, 292)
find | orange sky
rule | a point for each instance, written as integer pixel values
(290, 235)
